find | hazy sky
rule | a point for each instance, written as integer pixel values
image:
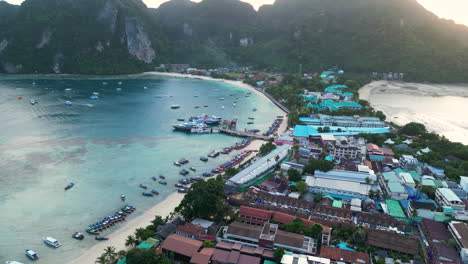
(450, 9)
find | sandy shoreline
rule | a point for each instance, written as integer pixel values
(165, 207)
(440, 107)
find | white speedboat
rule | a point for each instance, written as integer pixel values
(31, 254)
(50, 241)
(175, 106)
(13, 262)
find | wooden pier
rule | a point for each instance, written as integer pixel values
(243, 134)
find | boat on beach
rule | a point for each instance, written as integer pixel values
(182, 190)
(31, 254)
(69, 186)
(101, 238)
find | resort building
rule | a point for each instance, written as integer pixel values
(306, 131)
(459, 231)
(269, 236)
(260, 167)
(407, 179)
(393, 186)
(446, 197)
(421, 209)
(344, 121)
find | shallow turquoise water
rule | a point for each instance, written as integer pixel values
(107, 147)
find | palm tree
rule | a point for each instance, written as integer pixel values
(101, 260)
(377, 194)
(110, 253)
(368, 180)
(131, 241)
(371, 194)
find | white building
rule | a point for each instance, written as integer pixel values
(290, 258)
(446, 197)
(407, 179)
(464, 183)
(408, 162)
(340, 187)
(260, 166)
(459, 232)
(348, 147)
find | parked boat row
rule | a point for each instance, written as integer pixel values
(236, 160)
(108, 221)
(274, 127)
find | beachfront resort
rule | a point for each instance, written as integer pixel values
(327, 189)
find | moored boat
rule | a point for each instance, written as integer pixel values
(68, 103)
(175, 106)
(31, 254)
(206, 174)
(213, 154)
(163, 182)
(204, 159)
(101, 238)
(177, 163)
(143, 186)
(183, 190)
(155, 191)
(12, 262)
(78, 235)
(69, 186)
(52, 242)
(183, 172)
(162, 177)
(154, 178)
(193, 169)
(147, 194)
(183, 161)
(32, 101)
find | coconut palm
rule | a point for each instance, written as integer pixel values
(131, 241)
(102, 260)
(110, 253)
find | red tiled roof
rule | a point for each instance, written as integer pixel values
(387, 152)
(254, 212)
(181, 245)
(191, 229)
(339, 254)
(202, 257)
(372, 147)
(283, 218)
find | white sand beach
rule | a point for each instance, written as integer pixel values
(441, 107)
(165, 207)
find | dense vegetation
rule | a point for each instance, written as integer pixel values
(361, 35)
(205, 199)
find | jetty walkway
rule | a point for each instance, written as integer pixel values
(244, 134)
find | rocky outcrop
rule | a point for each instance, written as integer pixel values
(108, 14)
(3, 45)
(58, 62)
(138, 41)
(11, 68)
(45, 38)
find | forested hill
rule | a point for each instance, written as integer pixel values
(80, 36)
(117, 36)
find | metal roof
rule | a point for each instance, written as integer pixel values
(448, 194)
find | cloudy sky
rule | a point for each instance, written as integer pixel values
(450, 9)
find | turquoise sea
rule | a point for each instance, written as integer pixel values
(106, 147)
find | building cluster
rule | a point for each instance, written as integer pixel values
(332, 98)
